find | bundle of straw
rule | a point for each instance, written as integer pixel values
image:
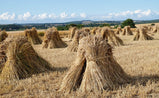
(52, 39)
(21, 60)
(94, 69)
(141, 34)
(3, 35)
(32, 36)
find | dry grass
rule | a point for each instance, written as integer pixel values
(141, 34)
(137, 58)
(95, 69)
(52, 39)
(20, 60)
(127, 31)
(118, 30)
(64, 34)
(3, 35)
(72, 32)
(79, 34)
(111, 36)
(32, 36)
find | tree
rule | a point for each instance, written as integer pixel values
(128, 22)
(116, 26)
(62, 28)
(103, 25)
(71, 25)
(152, 24)
(80, 25)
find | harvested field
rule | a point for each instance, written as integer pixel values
(139, 59)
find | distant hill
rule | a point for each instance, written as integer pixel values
(146, 21)
(111, 22)
(92, 22)
(63, 26)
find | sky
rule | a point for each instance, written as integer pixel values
(58, 11)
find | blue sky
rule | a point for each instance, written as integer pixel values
(53, 11)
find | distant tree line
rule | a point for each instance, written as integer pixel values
(10, 27)
(15, 27)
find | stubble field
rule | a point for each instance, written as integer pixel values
(139, 59)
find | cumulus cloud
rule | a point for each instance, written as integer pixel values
(137, 11)
(73, 15)
(42, 16)
(7, 16)
(63, 15)
(12, 17)
(146, 13)
(83, 15)
(25, 16)
(137, 14)
(52, 16)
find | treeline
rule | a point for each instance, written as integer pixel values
(11, 27)
(66, 26)
(16, 27)
(147, 21)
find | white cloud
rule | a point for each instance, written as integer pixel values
(137, 11)
(141, 14)
(7, 16)
(63, 15)
(12, 17)
(148, 12)
(73, 15)
(137, 14)
(42, 16)
(52, 16)
(26, 15)
(20, 17)
(127, 13)
(83, 15)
